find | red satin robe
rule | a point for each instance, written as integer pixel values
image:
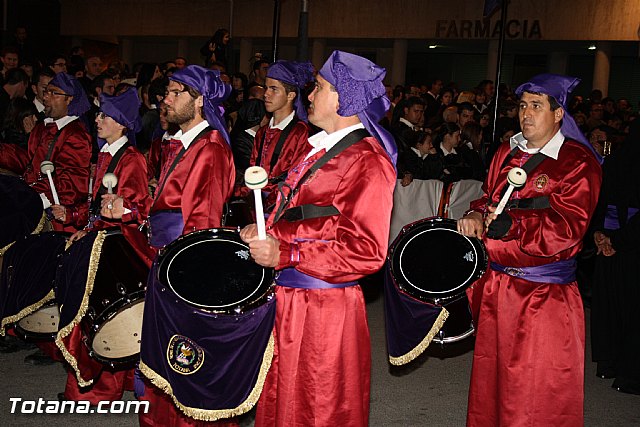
(71, 156)
(295, 147)
(199, 185)
(528, 364)
(320, 373)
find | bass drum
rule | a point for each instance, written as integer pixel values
(213, 271)
(113, 321)
(432, 262)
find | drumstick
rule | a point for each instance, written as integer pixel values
(109, 180)
(256, 178)
(47, 168)
(516, 178)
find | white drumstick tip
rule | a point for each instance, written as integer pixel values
(517, 177)
(256, 178)
(109, 180)
(47, 168)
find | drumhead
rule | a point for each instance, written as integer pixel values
(212, 269)
(431, 261)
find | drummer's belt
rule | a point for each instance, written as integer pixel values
(300, 213)
(559, 272)
(541, 202)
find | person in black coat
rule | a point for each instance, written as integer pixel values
(421, 160)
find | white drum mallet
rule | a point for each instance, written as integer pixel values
(109, 180)
(47, 168)
(256, 179)
(516, 179)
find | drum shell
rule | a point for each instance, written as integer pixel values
(118, 286)
(454, 265)
(212, 270)
(41, 325)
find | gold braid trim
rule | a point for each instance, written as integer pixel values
(6, 248)
(422, 346)
(94, 261)
(39, 228)
(26, 311)
(41, 224)
(216, 414)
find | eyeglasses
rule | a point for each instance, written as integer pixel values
(51, 92)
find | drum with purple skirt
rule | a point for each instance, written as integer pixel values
(213, 271)
(432, 262)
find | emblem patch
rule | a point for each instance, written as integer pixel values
(541, 182)
(184, 355)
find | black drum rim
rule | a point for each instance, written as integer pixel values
(169, 254)
(417, 229)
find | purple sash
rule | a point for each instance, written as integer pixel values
(164, 227)
(559, 272)
(611, 220)
(292, 278)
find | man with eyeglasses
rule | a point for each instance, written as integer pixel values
(63, 140)
(58, 63)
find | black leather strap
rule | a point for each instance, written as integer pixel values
(346, 142)
(278, 148)
(541, 202)
(300, 213)
(95, 203)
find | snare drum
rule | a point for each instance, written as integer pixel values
(213, 270)
(431, 261)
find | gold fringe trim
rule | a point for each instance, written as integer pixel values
(94, 261)
(422, 346)
(39, 228)
(25, 312)
(216, 414)
(6, 248)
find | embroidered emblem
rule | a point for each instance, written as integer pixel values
(469, 256)
(184, 355)
(541, 182)
(244, 254)
(514, 272)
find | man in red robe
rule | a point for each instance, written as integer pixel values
(528, 364)
(63, 140)
(116, 124)
(282, 143)
(196, 180)
(327, 233)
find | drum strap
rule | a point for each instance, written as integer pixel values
(303, 212)
(530, 165)
(541, 202)
(52, 144)
(177, 159)
(346, 142)
(278, 149)
(95, 203)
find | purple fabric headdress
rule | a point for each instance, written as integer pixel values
(297, 74)
(124, 109)
(71, 86)
(214, 91)
(361, 92)
(559, 87)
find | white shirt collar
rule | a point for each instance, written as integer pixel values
(283, 124)
(419, 154)
(96, 102)
(61, 122)
(39, 105)
(408, 123)
(166, 136)
(444, 150)
(550, 149)
(325, 141)
(188, 137)
(113, 148)
(251, 132)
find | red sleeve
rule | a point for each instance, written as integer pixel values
(357, 239)
(133, 186)
(208, 186)
(13, 158)
(547, 232)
